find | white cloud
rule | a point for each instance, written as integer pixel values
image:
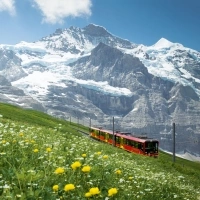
(54, 11)
(7, 5)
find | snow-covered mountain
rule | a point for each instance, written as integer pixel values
(90, 73)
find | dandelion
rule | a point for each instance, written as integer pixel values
(98, 153)
(105, 157)
(48, 149)
(94, 191)
(86, 169)
(55, 188)
(118, 172)
(59, 170)
(130, 178)
(69, 187)
(35, 150)
(84, 155)
(21, 134)
(112, 192)
(75, 165)
(3, 141)
(88, 194)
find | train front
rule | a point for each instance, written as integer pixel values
(151, 147)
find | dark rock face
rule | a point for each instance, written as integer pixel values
(4, 81)
(10, 65)
(93, 30)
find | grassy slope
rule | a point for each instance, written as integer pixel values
(164, 162)
(34, 117)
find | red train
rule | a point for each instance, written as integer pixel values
(139, 145)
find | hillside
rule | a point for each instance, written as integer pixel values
(42, 157)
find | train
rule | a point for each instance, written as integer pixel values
(136, 144)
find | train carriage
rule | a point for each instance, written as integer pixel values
(139, 145)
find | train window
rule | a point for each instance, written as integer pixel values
(129, 142)
(135, 144)
(151, 146)
(110, 136)
(102, 133)
(117, 140)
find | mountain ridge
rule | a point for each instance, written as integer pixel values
(90, 73)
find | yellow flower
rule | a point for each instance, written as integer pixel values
(48, 149)
(98, 153)
(35, 150)
(88, 194)
(69, 187)
(55, 188)
(86, 169)
(112, 192)
(59, 170)
(118, 172)
(94, 191)
(130, 178)
(3, 141)
(105, 157)
(21, 134)
(75, 165)
(84, 155)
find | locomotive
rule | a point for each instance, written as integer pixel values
(136, 144)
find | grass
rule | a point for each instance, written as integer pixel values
(42, 157)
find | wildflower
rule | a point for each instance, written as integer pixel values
(105, 157)
(55, 188)
(84, 155)
(88, 194)
(3, 141)
(118, 172)
(130, 178)
(86, 169)
(21, 134)
(98, 153)
(112, 192)
(48, 149)
(69, 187)
(75, 165)
(59, 170)
(94, 191)
(35, 150)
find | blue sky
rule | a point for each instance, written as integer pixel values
(140, 21)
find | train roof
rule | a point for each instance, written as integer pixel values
(128, 136)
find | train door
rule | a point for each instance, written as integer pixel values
(121, 142)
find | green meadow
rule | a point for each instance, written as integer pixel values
(42, 157)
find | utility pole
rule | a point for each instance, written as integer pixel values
(174, 150)
(90, 126)
(113, 131)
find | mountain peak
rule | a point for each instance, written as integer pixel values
(95, 30)
(163, 43)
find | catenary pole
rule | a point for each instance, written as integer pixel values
(174, 150)
(113, 131)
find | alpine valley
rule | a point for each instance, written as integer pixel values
(88, 73)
